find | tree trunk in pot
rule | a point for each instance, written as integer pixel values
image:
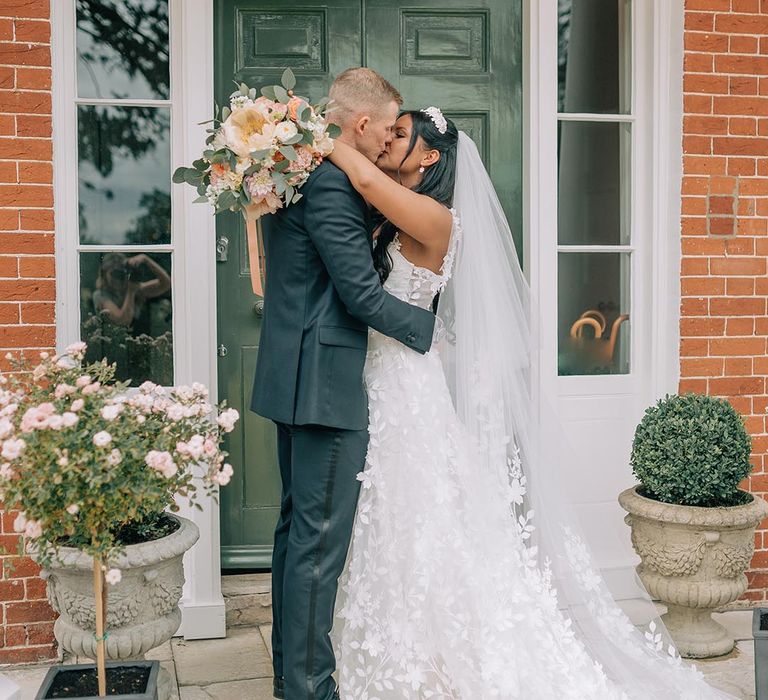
(143, 610)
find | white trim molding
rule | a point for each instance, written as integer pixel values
(192, 245)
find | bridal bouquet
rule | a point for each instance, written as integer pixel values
(261, 150)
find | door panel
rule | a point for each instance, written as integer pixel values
(461, 56)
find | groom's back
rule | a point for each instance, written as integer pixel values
(312, 351)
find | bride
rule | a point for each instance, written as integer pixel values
(452, 588)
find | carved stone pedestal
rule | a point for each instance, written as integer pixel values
(693, 560)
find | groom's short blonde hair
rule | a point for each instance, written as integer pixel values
(359, 91)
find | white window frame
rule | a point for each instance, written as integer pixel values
(192, 246)
(655, 176)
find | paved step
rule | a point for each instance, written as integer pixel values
(248, 599)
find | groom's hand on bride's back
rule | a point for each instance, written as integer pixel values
(335, 217)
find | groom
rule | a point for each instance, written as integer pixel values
(322, 293)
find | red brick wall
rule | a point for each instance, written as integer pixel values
(724, 318)
(26, 275)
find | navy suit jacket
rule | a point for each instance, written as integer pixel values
(321, 295)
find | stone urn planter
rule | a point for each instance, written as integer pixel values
(693, 560)
(143, 608)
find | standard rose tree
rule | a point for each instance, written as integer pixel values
(84, 458)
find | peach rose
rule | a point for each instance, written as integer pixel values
(269, 204)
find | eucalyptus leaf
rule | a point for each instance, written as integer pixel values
(243, 89)
(282, 165)
(294, 139)
(225, 112)
(289, 192)
(281, 94)
(289, 79)
(227, 199)
(263, 153)
(280, 185)
(296, 197)
(309, 138)
(200, 164)
(334, 131)
(289, 152)
(179, 175)
(268, 91)
(305, 114)
(199, 200)
(252, 93)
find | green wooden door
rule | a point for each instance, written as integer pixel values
(461, 55)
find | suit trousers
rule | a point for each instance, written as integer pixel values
(318, 468)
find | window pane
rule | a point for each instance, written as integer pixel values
(594, 56)
(593, 183)
(122, 49)
(124, 175)
(126, 313)
(593, 313)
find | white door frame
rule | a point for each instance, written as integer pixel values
(657, 66)
(194, 276)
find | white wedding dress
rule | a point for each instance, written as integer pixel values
(449, 591)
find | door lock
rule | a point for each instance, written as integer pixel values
(258, 308)
(222, 351)
(222, 249)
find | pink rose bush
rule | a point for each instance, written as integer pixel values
(83, 457)
(261, 151)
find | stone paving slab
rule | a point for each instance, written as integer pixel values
(242, 655)
(257, 689)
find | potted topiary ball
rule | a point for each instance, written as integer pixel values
(692, 526)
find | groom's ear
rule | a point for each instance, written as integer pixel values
(362, 124)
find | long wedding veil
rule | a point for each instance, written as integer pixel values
(487, 354)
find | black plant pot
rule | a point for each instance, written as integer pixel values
(126, 680)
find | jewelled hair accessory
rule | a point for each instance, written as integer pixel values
(437, 118)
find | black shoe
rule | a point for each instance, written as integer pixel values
(278, 688)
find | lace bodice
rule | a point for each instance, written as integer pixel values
(418, 285)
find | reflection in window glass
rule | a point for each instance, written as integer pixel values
(593, 183)
(124, 177)
(122, 49)
(593, 313)
(594, 56)
(125, 312)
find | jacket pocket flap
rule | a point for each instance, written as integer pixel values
(345, 337)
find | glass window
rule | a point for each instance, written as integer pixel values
(124, 186)
(594, 51)
(122, 49)
(126, 313)
(124, 189)
(593, 313)
(593, 183)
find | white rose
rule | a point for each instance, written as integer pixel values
(175, 412)
(285, 131)
(102, 438)
(6, 428)
(227, 419)
(33, 529)
(111, 412)
(115, 457)
(69, 419)
(13, 448)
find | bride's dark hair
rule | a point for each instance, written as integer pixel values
(438, 180)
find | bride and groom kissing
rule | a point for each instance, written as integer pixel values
(394, 360)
